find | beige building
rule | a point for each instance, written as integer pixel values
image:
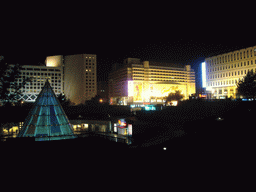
(224, 71)
(80, 77)
(149, 82)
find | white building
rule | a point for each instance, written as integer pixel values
(39, 75)
(224, 71)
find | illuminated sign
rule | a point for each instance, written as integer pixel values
(150, 108)
(122, 123)
(137, 94)
(115, 128)
(142, 91)
(130, 88)
(130, 129)
(203, 75)
(202, 96)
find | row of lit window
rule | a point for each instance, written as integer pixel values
(42, 84)
(231, 66)
(38, 69)
(230, 57)
(41, 81)
(233, 73)
(225, 91)
(35, 91)
(45, 74)
(227, 82)
(179, 77)
(170, 74)
(161, 79)
(27, 88)
(157, 71)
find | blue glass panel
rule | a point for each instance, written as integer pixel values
(46, 118)
(42, 130)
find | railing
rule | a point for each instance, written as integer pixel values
(81, 133)
(111, 136)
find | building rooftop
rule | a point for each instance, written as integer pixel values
(166, 64)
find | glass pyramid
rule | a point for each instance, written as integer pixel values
(47, 120)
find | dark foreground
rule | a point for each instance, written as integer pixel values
(179, 132)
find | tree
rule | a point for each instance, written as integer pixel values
(247, 86)
(95, 101)
(175, 96)
(10, 89)
(64, 101)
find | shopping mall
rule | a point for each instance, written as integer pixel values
(139, 83)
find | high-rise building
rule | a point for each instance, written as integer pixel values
(149, 82)
(224, 71)
(80, 77)
(73, 75)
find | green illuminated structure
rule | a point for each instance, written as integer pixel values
(47, 120)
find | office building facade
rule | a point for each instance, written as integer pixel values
(148, 82)
(39, 74)
(224, 71)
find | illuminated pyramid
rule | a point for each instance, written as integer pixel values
(47, 119)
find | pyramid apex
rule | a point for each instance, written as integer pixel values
(47, 82)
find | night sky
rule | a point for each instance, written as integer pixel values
(175, 33)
